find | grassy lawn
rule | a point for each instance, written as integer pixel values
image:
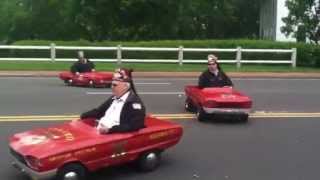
(59, 66)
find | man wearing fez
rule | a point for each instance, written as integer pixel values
(82, 65)
(124, 110)
(214, 75)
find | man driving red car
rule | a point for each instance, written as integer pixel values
(82, 65)
(214, 75)
(122, 112)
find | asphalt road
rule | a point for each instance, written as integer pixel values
(49, 96)
(264, 148)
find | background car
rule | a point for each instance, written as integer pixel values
(73, 149)
(216, 103)
(92, 79)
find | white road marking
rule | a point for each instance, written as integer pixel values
(234, 78)
(275, 79)
(152, 83)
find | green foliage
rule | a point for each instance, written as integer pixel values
(127, 20)
(304, 15)
(38, 19)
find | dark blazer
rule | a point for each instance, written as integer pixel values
(82, 67)
(131, 117)
(207, 79)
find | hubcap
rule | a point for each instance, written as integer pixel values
(151, 160)
(71, 176)
(198, 114)
(91, 82)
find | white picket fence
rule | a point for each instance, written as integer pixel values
(180, 53)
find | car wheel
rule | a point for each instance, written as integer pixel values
(73, 171)
(68, 82)
(149, 161)
(189, 106)
(91, 83)
(201, 115)
(244, 117)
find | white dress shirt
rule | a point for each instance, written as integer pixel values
(112, 115)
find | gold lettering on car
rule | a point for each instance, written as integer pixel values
(228, 96)
(68, 155)
(119, 149)
(55, 133)
(60, 157)
(85, 151)
(161, 134)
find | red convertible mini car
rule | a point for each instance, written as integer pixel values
(217, 102)
(72, 149)
(93, 79)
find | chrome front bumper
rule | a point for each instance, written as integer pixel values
(32, 173)
(226, 110)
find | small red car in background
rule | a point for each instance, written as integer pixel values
(71, 150)
(92, 79)
(217, 103)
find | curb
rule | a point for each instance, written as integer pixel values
(171, 74)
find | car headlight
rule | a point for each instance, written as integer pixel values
(33, 162)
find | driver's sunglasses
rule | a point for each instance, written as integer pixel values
(211, 64)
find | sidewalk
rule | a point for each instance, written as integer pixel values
(169, 74)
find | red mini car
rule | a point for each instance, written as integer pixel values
(217, 102)
(72, 149)
(93, 79)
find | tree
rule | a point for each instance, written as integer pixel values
(13, 15)
(98, 20)
(203, 19)
(38, 19)
(247, 13)
(167, 19)
(127, 19)
(303, 19)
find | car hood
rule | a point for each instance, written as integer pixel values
(52, 140)
(225, 98)
(228, 97)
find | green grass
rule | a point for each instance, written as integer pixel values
(60, 66)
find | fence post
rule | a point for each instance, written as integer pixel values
(238, 57)
(119, 55)
(294, 57)
(53, 52)
(180, 55)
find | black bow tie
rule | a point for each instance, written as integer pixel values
(117, 99)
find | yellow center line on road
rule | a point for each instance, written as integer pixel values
(182, 116)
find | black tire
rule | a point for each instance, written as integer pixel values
(149, 161)
(188, 105)
(243, 117)
(201, 115)
(68, 82)
(74, 171)
(92, 84)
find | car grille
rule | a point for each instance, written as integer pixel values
(18, 156)
(231, 105)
